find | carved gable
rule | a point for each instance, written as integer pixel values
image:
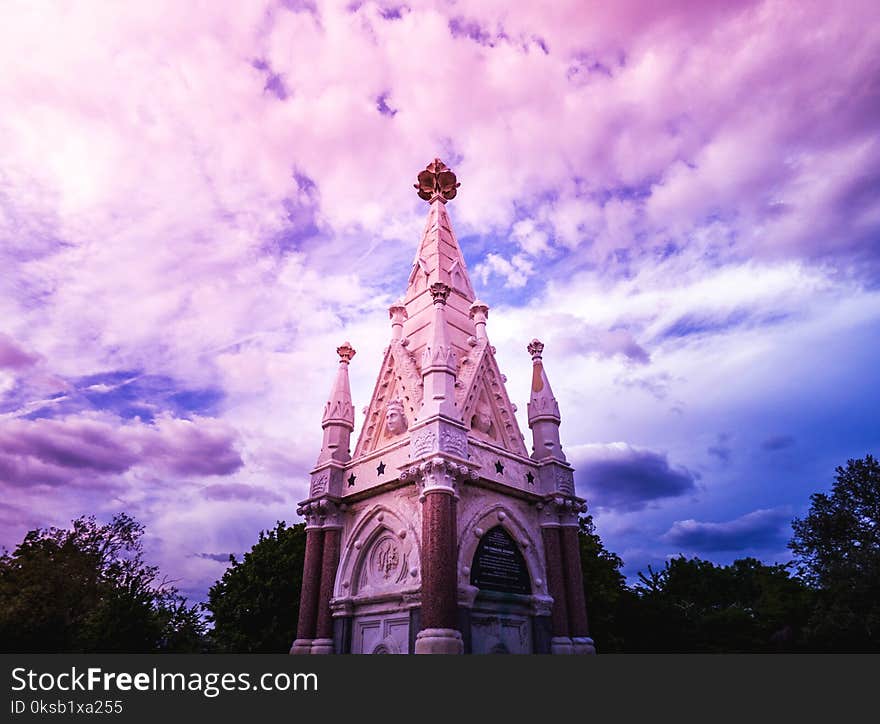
(485, 407)
(399, 381)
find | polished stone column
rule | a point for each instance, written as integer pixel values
(561, 641)
(311, 584)
(323, 643)
(438, 558)
(574, 591)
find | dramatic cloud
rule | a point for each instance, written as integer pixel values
(618, 476)
(18, 471)
(760, 529)
(199, 203)
(55, 451)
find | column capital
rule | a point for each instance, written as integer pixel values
(439, 292)
(323, 512)
(560, 511)
(438, 475)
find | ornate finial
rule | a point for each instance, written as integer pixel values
(398, 309)
(439, 292)
(479, 312)
(437, 180)
(535, 348)
(479, 308)
(345, 352)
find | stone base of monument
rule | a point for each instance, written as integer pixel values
(439, 641)
(301, 646)
(583, 645)
(322, 646)
(561, 645)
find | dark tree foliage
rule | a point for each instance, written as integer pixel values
(837, 550)
(88, 589)
(604, 586)
(254, 606)
(692, 605)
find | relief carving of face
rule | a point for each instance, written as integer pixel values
(395, 420)
(481, 420)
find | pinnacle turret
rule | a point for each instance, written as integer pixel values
(338, 419)
(543, 410)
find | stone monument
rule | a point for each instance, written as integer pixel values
(441, 534)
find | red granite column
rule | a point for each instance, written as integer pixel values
(561, 643)
(574, 590)
(438, 559)
(308, 600)
(323, 643)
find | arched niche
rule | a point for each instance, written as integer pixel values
(383, 565)
(529, 546)
(380, 543)
(498, 564)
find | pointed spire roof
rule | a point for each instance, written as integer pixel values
(438, 259)
(439, 352)
(339, 409)
(542, 403)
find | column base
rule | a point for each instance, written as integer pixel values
(561, 645)
(301, 646)
(583, 645)
(322, 646)
(439, 641)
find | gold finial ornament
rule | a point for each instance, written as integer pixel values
(437, 180)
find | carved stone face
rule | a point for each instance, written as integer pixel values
(481, 420)
(395, 421)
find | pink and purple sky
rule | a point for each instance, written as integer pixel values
(199, 201)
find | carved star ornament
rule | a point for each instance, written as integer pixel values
(437, 180)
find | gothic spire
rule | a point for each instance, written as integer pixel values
(338, 420)
(543, 410)
(438, 259)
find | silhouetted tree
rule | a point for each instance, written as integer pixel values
(88, 589)
(254, 606)
(837, 550)
(604, 586)
(692, 605)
